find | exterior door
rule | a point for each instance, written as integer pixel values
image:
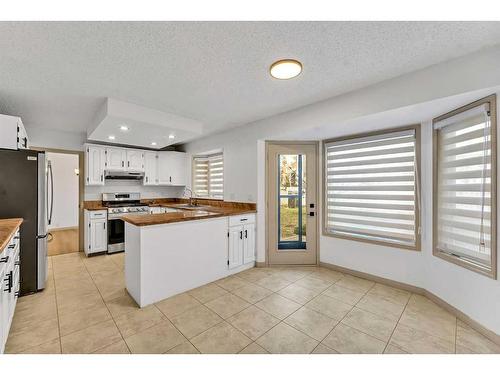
(292, 203)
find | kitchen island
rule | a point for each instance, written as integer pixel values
(170, 253)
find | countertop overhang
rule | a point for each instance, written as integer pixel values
(8, 228)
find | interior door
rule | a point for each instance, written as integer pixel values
(292, 203)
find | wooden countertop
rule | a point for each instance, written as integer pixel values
(184, 215)
(8, 228)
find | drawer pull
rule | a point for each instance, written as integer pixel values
(11, 246)
(4, 259)
(243, 219)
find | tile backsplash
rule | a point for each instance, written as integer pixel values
(130, 186)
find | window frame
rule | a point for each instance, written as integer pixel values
(492, 272)
(206, 156)
(325, 232)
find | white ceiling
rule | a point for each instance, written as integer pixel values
(56, 75)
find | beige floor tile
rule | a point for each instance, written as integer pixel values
(469, 338)
(177, 304)
(327, 275)
(90, 339)
(227, 305)
(393, 349)
(328, 306)
(273, 283)
(252, 293)
(349, 296)
(278, 306)
(463, 350)
(369, 323)
(253, 275)
(222, 339)
(253, 322)
(155, 340)
(27, 314)
(322, 349)
(254, 348)
(378, 305)
(32, 335)
(122, 305)
(284, 339)
(76, 302)
(208, 292)
(420, 342)
(113, 291)
(138, 320)
(434, 322)
(119, 347)
(298, 293)
(51, 347)
(347, 340)
(355, 283)
(184, 348)
(390, 294)
(312, 323)
(80, 319)
(316, 285)
(231, 283)
(293, 275)
(195, 321)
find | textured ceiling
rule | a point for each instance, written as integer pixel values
(56, 75)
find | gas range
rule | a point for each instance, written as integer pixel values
(120, 204)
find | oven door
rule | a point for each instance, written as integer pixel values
(116, 235)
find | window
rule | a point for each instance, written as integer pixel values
(465, 186)
(208, 176)
(371, 187)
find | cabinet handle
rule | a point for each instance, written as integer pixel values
(128, 164)
(18, 263)
(123, 163)
(9, 283)
(246, 233)
(243, 219)
(170, 178)
(146, 178)
(241, 234)
(11, 246)
(104, 225)
(101, 178)
(4, 259)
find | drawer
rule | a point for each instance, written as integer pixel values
(241, 219)
(98, 214)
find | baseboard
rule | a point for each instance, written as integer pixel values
(260, 264)
(417, 290)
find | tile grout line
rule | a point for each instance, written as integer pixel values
(396, 326)
(57, 305)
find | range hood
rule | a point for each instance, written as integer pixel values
(123, 175)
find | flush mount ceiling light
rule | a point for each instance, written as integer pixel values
(123, 128)
(153, 143)
(285, 69)
(111, 137)
(171, 136)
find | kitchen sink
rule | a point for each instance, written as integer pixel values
(192, 207)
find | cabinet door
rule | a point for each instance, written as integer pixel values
(235, 257)
(98, 236)
(248, 243)
(150, 168)
(172, 168)
(95, 165)
(115, 159)
(3, 313)
(135, 160)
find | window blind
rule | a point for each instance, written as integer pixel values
(464, 195)
(208, 176)
(371, 187)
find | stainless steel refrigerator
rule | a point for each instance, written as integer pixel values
(25, 185)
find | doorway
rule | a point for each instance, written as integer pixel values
(292, 202)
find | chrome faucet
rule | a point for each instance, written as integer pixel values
(186, 189)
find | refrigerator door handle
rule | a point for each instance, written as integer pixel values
(49, 165)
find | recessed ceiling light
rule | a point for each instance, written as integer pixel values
(123, 128)
(111, 137)
(171, 136)
(285, 69)
(153, 143)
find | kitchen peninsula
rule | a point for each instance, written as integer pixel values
(170, 253)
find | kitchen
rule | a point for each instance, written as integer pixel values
(278, 218)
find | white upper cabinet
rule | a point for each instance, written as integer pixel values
(150, 168)
(135, 160)
(94, 165)
(116, 159)
(172, 168)
(12, 133)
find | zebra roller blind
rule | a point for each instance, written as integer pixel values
(464, 185)
(371, 188)
(208, 176)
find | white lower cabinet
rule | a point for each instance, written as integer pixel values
(241, 235)
(96, 232)
(9, 284)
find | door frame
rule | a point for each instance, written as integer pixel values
(318, 199)
(81, 187)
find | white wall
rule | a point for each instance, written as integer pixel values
(412, 98)
(55, 139)
(65, 210)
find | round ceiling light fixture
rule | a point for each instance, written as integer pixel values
(171, 136)
(123, 128)
(153, 143)
(111, 137)
(285, 69)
